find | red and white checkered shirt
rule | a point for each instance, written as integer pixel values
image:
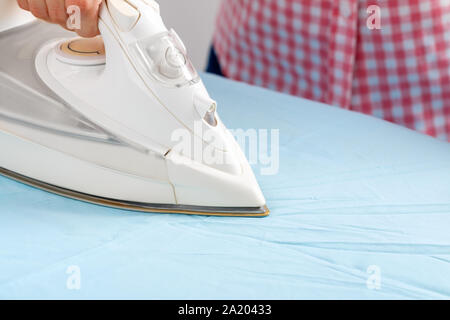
(324, 50)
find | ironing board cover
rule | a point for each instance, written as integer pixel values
(360, 209)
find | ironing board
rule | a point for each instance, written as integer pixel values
(360, 209)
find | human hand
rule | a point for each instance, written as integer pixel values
(55, 11)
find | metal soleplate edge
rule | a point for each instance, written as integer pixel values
(136, 206)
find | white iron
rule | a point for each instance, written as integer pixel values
(132, 128)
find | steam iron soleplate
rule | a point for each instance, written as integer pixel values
(136, 206)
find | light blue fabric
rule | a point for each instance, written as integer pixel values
(352, 192)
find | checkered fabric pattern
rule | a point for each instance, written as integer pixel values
(324, 50)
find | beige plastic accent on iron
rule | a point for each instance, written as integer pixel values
(87, 47)
(82, 51)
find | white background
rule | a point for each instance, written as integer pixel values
(194, 21)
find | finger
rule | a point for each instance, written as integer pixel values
(23, 4)
(89, 10)
(91, 24)
(39, 9)
(57, 11)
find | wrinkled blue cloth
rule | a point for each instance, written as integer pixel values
(360, 209)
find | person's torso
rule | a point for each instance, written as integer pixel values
(332, 51)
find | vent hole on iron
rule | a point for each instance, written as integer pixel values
(210, 118)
